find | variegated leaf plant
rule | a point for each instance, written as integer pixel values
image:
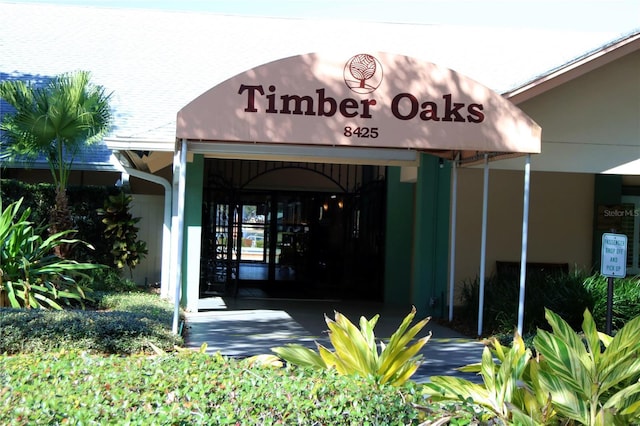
(356, 351)
(509, 391)
(592, 378)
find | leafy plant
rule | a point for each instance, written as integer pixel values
(31, 275)
(122, 231)
(356, 351)
(586, 383)
(510, 388)
(592, 379)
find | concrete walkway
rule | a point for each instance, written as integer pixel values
(244, 327)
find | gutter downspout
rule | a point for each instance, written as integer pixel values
(166, 226)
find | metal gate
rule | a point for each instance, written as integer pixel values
(221, 235)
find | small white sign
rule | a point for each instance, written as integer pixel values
(614, 255)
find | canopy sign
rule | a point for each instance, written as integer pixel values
(374, 100)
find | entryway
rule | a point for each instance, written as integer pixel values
(262, 237)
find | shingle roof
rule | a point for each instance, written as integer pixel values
(155, 62)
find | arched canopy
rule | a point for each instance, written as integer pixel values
(377, 100)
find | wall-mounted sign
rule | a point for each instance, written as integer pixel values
(614, 255)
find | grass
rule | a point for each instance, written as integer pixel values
(193, 389)
(99, 367)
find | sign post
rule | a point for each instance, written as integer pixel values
(613, 265)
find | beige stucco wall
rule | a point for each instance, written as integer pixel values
(560, 221)
(589, 124)
(150, 210)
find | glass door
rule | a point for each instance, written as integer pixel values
(292, 238)
(254, 232)
(255, 217)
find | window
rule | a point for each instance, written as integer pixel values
(630, 226)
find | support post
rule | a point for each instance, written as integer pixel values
(483, 244)
(525, 233)
(609, 324)
(180, 237)
(452, 244)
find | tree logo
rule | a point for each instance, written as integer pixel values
(363, 73)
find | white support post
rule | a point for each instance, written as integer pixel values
(180, 234)
(452, 244)
(175, 183)
(525, 232)
(483, 244)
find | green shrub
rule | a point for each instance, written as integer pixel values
(626, 299)
(40, 198)
(109, 280)
(193, 389)
(148, 305)
(84, 201)
(131, 323)
(562, 293)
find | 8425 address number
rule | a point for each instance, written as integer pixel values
(361, 132)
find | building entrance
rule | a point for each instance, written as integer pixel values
(287, 242)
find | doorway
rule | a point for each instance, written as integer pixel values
(291, 243)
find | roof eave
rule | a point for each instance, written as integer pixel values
(135, 144)
(575, 69)
(78, 166)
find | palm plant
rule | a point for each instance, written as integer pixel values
(55, 121)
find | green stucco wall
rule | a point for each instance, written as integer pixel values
(399, 239)
(417, 238)
(192, 232)
(431, 245)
